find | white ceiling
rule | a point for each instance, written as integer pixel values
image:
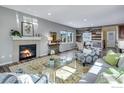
(77, 16)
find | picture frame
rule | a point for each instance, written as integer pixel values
(87, 36)
(27, 29)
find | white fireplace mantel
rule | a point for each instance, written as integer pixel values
(17, 41)
(25, 38)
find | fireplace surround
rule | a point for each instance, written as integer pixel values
(27, 51)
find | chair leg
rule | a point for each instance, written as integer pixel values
(84, 64)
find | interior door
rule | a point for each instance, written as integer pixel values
(111, 39)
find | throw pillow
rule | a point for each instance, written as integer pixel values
(114, 72)
(121, 61)
(111, 58)
(121, 78)
(87, 51)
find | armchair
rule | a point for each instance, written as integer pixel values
(88, 56)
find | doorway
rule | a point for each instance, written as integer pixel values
(111, 39)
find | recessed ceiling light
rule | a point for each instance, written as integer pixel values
(85, 19)
(49, 14)
(91, 24)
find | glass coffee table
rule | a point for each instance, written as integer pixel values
(57, 63)
(60, 70)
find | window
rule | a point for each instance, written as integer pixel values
(66, 37)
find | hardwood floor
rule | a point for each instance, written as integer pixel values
(4, 69)
(66, 55)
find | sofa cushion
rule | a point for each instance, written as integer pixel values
(121, 61)
(91, 76)
(111, 58)
(102, 63)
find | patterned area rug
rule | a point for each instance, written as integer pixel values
(36, 67)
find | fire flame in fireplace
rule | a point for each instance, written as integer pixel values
(26, 53)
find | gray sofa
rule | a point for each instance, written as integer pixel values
(99, 66)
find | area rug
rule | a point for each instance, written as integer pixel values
(64, 72)
(36, 67)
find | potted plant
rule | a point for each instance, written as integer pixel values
(15, 33)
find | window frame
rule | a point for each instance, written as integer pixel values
(69, 36)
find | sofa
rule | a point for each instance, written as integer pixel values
(98, 72)
(98, 67)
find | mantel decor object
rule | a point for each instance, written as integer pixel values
(15, 33)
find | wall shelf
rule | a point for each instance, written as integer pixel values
(25, 38)
(96, 36)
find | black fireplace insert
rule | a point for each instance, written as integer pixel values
(27, 51)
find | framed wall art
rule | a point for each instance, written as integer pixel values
(27, 29)
(87, 36)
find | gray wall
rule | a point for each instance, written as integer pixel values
(8, 21)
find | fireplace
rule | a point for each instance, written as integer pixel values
(27, 51)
